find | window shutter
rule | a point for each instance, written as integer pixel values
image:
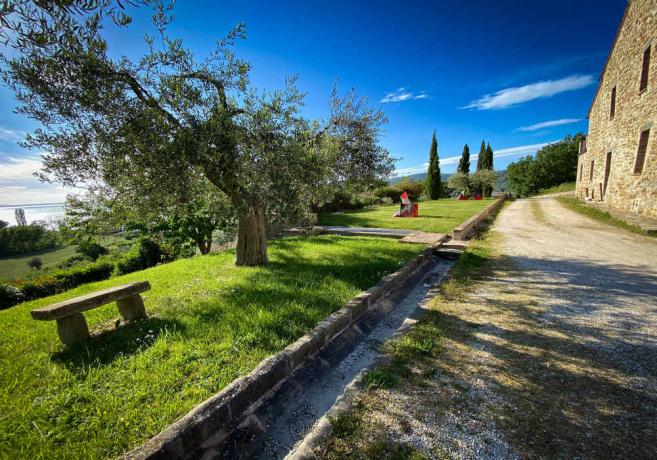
(645, 69)
(612, 108)
(641, 153)
(591, 170)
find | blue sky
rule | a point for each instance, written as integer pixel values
(515, 73)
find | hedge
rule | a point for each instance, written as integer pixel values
(144, 253)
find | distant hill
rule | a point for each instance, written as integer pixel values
(500, 186)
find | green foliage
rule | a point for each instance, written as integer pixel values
(381, 377)
(35, 262)
(413, 188)
(483, 180)
(460, 182)
(23, 239)
(434, 185)
(91, 249)
(143, 254)
(10, 296)
(554, 164)
(464, 161)
(62, 280)
(343, 201)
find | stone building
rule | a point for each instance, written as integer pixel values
(618, 160)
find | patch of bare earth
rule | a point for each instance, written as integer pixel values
(551, 352)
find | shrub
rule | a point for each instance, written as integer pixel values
(73, 261)
(91, 249)
(145, 253)
(343, 201)
(9, 296)
(414, 189)
(35, 262)
(63, 280)
(22, 239)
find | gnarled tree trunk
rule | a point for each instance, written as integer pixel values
(252, 238)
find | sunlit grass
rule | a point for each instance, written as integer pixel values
(210, 323)
(438, 216)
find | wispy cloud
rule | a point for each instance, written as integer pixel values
(19, 186)
(11, 134)
(509, 97)
(517, 151)
(402, 94)
(547, 124)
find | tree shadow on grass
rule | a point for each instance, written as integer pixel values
(104, 347)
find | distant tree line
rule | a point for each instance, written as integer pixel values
(554, 164)
(22, 239)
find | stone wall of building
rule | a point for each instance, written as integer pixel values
(635, 111)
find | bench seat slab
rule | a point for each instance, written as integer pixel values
(89, 301)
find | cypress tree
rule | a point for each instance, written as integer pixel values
(481, 159)
(464, 162)
(489, 157)
(434, 185)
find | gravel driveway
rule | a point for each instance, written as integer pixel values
(551, 353)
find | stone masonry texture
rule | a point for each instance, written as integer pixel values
(635, 111)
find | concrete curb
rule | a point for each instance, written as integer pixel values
(467, 228)
(207, 425)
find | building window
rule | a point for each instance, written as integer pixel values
(612, 106)
(641, 152)
(591, 170)
(581, 171)
(582, 146)
(645, 68)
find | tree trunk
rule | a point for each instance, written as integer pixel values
(252, 238)
(204, 245)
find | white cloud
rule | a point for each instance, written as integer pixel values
(509, 97)
(402, 94)
(520, 150)
(19, 186)
(547, 124)
(11, 135)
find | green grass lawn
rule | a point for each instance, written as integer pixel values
(565, 187)
(439, 216)
(210, 323)
(16, 267)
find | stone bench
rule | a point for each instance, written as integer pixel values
(71, 325)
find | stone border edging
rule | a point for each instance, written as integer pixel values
(209, 423)
(467, 228)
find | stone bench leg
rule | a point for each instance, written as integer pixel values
(72, 329)
(132, 308)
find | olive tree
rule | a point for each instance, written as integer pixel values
(159, 124)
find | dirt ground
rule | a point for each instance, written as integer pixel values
(552, 352)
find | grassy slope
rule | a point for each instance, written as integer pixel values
(565, 187)
(439, 216)
(16, 267)
(211, 322)
(575, 204)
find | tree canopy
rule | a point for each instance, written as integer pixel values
(554, 164)
(163, 123)
(464, 161)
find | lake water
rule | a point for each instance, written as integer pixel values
(47, 212)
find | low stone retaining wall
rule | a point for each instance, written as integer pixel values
(207, 426)
(467, 228)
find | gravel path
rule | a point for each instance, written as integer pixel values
(552, 354)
